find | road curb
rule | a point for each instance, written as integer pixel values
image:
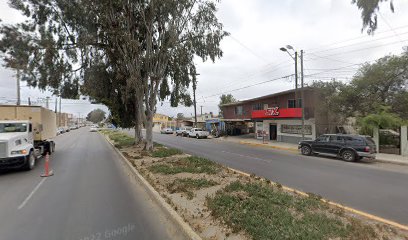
(392, 162)
(346, 208)
(173, 215)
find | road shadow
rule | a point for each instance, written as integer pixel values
(4, 172)
(362, 161)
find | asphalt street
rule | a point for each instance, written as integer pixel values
(90, 197)
(379, 190)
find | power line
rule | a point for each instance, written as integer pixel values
(248, 49)
(389, 25)
(248, 86)
(362, 49)
(359, 43)
(355, 38)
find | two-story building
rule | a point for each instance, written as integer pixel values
(278, 116)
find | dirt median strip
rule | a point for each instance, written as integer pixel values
(223, 203)
(191, 234)
(364, 214)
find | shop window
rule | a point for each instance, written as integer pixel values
(291, 103)
(299, 103)
(296, 129)
(257, 106)
(238, 110)
(265, 106)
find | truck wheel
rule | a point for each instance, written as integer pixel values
(52, 147)
(348, 156)
(30, 164)
(306, 150)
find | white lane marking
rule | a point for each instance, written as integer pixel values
(246, 156)
(31, 194)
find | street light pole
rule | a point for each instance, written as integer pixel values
(296, 82)
(302, 94)
(296, 78)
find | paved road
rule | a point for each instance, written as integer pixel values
(89, 197)
(376, 189)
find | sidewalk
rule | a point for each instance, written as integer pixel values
(249, 140)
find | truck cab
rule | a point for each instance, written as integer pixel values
(18, 149)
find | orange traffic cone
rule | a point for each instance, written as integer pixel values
(48, 172)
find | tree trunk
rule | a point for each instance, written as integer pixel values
(149, 133)
(138, 121)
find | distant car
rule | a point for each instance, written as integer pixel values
(198, 133)
(73, 127)
(166, 131)
(93, 129)
(348, 147)
(60, 130)
(183, 131)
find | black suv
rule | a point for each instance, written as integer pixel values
(349, 147)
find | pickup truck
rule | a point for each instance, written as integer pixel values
(198, 133)
(25, 135)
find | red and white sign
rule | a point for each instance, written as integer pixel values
(272, 111)
(277, 112)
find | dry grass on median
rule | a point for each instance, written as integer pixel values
(221, 204)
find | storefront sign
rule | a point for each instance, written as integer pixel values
(277, 112)
(296, 129)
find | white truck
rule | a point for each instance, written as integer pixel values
(25, 135)
(198, 133)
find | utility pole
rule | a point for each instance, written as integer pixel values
(201, 110)
(18, 87)
(296, 79)
(302, 94)
(195, 102)
(60, 110)
(29, 101)
(47, 99)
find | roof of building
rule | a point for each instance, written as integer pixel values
(266, 96)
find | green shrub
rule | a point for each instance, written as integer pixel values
(190, 164)
(162, 152)
(265, 212)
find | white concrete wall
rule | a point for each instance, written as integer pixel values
(278, 122)
(404, 141)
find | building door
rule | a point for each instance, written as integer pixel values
(273, 131)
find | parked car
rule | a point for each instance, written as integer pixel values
(183, 131)
(166, 131)
(60, 130)
(198, 133)
(348, 147)
(93, 128)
